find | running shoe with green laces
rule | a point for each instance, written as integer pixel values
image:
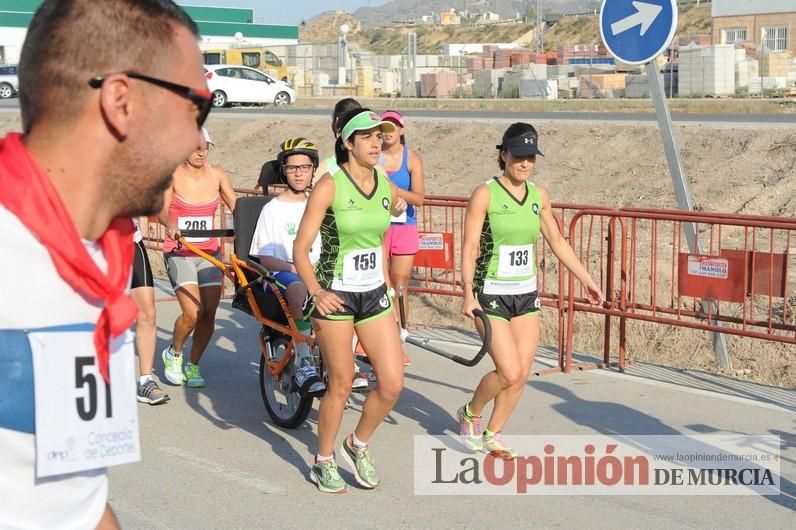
(151, 393)
(469, 429)
(361, 462)
(193, 378)
(326, 476)
(173, 366)
(493, 444)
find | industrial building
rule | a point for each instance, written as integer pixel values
(219, 27)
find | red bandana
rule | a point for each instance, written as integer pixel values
(29, 195)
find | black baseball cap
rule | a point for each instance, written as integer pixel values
(521, 146)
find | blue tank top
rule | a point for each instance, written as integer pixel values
(403, 180)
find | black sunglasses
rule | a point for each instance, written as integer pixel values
(203, 99)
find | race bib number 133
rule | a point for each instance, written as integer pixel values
(515, 260)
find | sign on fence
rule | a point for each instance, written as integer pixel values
(436, 250)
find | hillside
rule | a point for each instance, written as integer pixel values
(326, 28)
(414, 9)
(392, 40)
(692, 20)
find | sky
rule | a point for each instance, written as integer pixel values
(291, 12)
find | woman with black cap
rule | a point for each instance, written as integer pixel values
(504, 218)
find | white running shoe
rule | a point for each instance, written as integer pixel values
(308, 382)
(360, 382)
(172, 367)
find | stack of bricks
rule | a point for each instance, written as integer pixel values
(475, 63)
(503, 58)
(539, 58)
(440, 84)
(775, 64)
(519, 57)
(602, 85)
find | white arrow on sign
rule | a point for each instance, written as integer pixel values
(645, 15)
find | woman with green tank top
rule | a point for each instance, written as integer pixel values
(348, 289)
(329, 166)
(504, 218)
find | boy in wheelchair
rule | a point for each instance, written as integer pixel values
(272, 244)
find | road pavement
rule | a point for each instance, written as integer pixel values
(213, 459)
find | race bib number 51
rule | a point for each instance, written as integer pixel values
(81, 422)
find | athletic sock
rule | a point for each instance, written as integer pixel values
(489, 434)
(303, 354)
(144, 378)
(468, 412)
(319, 459)
(304, 326)
(357, 442)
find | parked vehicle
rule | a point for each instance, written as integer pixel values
(9, 84)
(240, 84)
(260, 58)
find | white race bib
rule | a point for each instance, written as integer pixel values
(363, 269)
(398, 218)
(515, 261)
(82, 424)
(195, 223)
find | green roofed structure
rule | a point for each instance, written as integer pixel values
(218, 26)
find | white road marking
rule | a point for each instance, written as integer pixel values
(227, 473)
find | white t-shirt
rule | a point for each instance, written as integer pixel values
(276, 229)
(75, 500)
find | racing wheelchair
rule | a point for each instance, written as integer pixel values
(286, 405)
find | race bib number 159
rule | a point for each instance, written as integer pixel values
(363, 267)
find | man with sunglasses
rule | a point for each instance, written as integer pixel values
(192, 202)
(111, 93)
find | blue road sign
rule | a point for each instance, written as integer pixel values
(637, 31)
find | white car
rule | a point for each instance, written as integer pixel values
(9, 84)
(231, 83)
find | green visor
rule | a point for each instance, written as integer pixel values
(363, 121)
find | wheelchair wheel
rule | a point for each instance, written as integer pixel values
(283, 403)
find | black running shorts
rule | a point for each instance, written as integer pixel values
(359, 307)
(142, 272)
(508, 306)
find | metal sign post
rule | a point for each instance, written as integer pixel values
(635, 32)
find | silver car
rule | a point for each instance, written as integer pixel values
(9, 84)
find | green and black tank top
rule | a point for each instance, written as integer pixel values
(507, 262)
(352, 234)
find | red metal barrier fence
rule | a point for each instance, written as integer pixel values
(741, 283)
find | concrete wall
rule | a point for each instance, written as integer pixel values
(11, 40)
(754, 24)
